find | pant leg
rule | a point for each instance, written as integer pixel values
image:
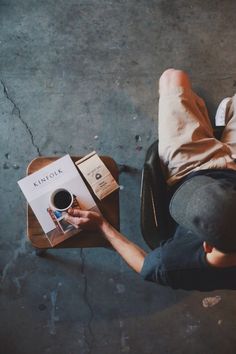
(229, 133)
(186, 140)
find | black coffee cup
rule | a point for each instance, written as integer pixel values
(61, 199)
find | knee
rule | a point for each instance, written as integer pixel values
(174, 78)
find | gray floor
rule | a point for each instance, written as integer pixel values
(81, 75)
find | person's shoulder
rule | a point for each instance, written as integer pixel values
(184, 266)
(183, 251)
(180, 263)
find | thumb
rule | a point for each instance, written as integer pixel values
(75, 212)
(72, 220)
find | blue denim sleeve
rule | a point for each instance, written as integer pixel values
(152, 267)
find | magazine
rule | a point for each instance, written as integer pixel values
(51, 191)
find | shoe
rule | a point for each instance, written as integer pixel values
(221, 113)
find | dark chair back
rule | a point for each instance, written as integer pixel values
(156, 223)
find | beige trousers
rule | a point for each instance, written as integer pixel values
(186, 140)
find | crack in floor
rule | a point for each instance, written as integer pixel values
(86, 300)
(17, 109)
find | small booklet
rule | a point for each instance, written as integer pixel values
(51, 191)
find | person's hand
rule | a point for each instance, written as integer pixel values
(86, 220)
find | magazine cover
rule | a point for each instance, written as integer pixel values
(51, 191)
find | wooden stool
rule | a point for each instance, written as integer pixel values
(108, 206)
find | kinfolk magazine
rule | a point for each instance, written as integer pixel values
(51, 191)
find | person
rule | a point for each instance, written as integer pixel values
(201, 170)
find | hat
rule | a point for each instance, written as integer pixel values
(207, 207)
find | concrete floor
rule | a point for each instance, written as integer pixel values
(79, 75)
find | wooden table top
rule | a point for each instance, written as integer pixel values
(109, 207)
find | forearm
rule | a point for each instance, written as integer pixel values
(131, 253)
(90, 220)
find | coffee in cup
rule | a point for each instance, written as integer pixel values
(61, 199)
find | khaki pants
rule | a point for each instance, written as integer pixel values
(186, 140)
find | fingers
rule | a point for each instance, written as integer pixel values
(79, 221)
(83, 222)
(77, 212)
(71, 219)
(87, 220)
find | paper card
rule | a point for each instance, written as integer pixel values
(97, 175)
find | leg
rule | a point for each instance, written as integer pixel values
(186, 140)
(229, 133)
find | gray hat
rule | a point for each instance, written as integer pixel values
(207, 207)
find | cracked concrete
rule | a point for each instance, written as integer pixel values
(16, 110)
(89, 337)
(78, 76)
